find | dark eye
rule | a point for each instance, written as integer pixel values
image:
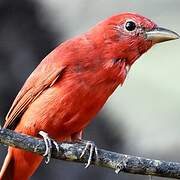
(130, 26)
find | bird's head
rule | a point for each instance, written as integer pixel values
(125, 37)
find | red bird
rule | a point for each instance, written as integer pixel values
(72, 83)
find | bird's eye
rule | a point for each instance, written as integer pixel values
(130, 26)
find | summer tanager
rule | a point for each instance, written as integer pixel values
(72, 83)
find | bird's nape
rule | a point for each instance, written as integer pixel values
(71, 84)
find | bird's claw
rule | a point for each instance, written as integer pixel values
(121, 165)
(92, 149)
(48, 143)
(150, 177)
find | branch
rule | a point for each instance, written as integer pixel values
(115, 161)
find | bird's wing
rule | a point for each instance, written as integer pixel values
(38, 81)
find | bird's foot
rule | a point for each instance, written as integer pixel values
(92, 148)
(121, 165)
(150, 177)
(48, 143)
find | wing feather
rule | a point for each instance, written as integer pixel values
(38, 82)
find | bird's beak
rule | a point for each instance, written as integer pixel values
(158, 35)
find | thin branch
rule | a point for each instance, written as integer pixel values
(115, 161)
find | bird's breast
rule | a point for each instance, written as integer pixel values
(68, 106)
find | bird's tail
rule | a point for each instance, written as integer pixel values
(19, 164)
(6, 170)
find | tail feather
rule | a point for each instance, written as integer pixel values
(19, 164)
(6, 170)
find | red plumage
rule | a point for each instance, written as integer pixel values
(71, 85)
